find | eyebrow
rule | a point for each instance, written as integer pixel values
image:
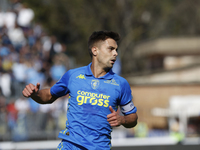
(113, 47)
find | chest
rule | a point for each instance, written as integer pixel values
(93, 91)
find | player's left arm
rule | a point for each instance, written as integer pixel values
(115, 119)
(130, 120)
(125, 100)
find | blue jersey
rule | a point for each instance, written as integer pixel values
(89, 101)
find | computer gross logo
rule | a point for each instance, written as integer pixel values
(92, 98)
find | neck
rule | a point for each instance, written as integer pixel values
(98, 71)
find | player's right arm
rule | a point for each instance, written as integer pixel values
(40, 96)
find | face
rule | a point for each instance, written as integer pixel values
(106, 53)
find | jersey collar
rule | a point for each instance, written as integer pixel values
(107, 76)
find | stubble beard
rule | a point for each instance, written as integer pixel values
(108, 67)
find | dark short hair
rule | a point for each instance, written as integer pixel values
(101, 36)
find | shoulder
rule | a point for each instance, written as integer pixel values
(121, 80)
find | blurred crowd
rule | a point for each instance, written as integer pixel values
(28, 55)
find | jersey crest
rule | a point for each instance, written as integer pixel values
(94, 84)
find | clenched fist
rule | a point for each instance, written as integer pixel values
(31, 89)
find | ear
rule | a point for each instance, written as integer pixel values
(94, 50)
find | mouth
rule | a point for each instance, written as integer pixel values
(113, 61)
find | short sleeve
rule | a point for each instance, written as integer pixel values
(126, 103)
(61, 87)
(126, 95)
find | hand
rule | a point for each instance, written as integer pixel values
(114, 118)
(31, 90)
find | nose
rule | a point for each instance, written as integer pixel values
(115, 53)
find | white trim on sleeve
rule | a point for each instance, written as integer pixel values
(128, 107)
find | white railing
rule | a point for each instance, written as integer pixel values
(52, 144)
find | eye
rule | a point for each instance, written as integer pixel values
(111, 48)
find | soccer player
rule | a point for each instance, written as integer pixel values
(95, 93)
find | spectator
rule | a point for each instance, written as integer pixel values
(52, 46)
(8, 19)
(32, 74)
(57, 70)
(22, 105)
(12, 115)
(19, 131)
(31, 38)
(4, 36)
(4, 50)
(16, 35)
(19, 72)
(5, 84)
(25, 16)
